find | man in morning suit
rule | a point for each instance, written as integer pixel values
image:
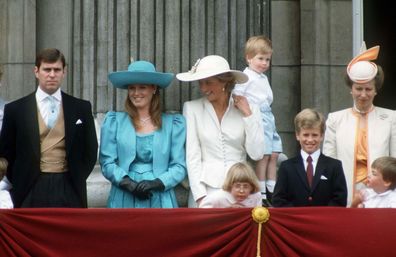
(49, 140)
(311, 178)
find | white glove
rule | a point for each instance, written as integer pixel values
(5, 184)
(5, 200)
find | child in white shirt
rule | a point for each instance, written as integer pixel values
(258, 53)
(381, 183)
(240, 190)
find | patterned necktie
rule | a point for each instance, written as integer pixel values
(309, 170)
(53, 112)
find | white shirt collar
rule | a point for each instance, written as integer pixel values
(41, 95)
(253, 73)
(315, 155)
(387, 192)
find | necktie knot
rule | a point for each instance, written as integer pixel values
(52, 100)
(309, 159)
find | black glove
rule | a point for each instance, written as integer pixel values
(146, 186)
(131, 186)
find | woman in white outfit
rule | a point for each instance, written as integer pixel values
(221, 129)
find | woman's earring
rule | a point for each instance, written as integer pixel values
(223, 89)
(154, 92)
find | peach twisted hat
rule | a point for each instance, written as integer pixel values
(360, 69)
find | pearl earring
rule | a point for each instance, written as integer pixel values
(223, 89)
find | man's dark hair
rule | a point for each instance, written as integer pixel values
(50, 55)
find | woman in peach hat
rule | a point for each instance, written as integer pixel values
(222, 129)
(359, 135)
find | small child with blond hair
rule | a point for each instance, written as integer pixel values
(5, 197)
(3, 167)
(381, 183)
(258, 54)
(240, 190)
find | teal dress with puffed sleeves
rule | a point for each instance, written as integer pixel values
(160, 154)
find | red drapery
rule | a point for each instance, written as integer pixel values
(183, 232)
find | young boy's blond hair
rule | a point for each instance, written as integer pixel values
(308, 119)
(257, 45)
(387, 167)
(242, 173)
(3, 167)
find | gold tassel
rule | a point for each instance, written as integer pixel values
(260, 215)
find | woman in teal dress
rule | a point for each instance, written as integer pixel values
(142, 149)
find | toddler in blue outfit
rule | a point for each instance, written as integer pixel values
(258, 53)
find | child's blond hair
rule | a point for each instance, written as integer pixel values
(258, 45)
(387, 167)
(309, 119)
(243, 173)
(3, 167)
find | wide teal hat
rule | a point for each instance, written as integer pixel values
(140, 72)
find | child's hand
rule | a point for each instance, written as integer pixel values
(242, 104)
(199, 201)
(358, 199)
(237, 205)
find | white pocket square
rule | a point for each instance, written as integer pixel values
(323, 177)
(78, 122)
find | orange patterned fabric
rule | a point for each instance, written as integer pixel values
(361, 156)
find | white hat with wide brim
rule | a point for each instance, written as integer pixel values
(210, 66)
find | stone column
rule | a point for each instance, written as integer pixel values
(326, 48)
(17, 47)
(285, 71)
(54, 30)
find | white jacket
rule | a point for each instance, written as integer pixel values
(339, 140)
(212, 148)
